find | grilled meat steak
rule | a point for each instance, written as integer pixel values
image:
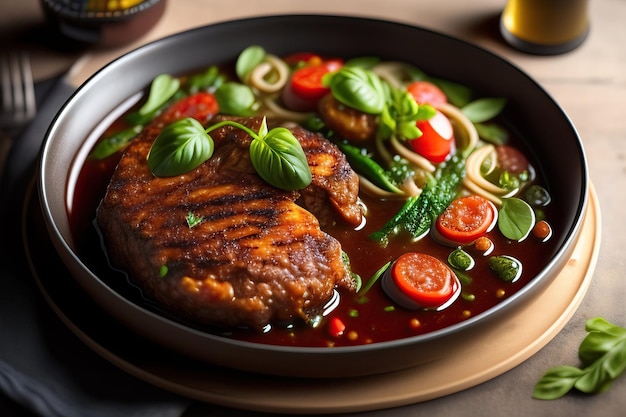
(257, 257)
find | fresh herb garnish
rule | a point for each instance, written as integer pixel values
(193, 220)
(358, 88)
(483, 109)
(208, 80)
(115, 142)
(180, 147)
(400, 115)
(235, 99)
(278, 157)
(370, 283)
(276, 154)
(163, 88)
(516, 218)
(248, 59)
(603, 359)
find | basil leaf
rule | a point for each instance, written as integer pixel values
(116, 142)
(179, 148)
(366, 62)
(602, 338)
(457, 94)
(603, 351)
(248, 59)
(208, 80)
(279, 159)
(358, 88)
(163, 87)
(556, 382)
(594, 379)
(515, 218)
(483, 109)
(235, 99)
(492, 133)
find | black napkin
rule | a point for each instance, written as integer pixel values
(43, 365)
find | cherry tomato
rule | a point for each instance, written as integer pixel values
(306, 82)
(466, 219)
(422, 282)
(425, 92)
(437, 140)
(305, 87)
(201, 106)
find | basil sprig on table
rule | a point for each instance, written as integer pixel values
(603, 358)
(276, 154)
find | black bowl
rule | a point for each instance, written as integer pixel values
(549, 134)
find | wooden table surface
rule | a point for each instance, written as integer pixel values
(590, 85)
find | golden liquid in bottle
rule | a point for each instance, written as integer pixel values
(551, 26)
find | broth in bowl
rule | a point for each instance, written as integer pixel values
(411, 199)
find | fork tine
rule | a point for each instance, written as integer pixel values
(29, 87)
(5, 82)
(18, 92)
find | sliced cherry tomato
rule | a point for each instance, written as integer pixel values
(306, 82)
(201, 106)
(466, 219)
(425, 92)
(422, 281)
(437, 140)
(305, 87)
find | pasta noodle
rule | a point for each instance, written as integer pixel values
(271, 102)
(464, 125)
(272, 67)
(411, 156)
(476, 182)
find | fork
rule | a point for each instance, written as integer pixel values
(18, 99)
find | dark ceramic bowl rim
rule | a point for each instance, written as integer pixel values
(46, 181)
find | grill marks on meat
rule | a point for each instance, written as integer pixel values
(257, 256)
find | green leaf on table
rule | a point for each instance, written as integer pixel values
(603, 356)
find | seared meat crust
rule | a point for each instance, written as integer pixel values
(257, 257)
